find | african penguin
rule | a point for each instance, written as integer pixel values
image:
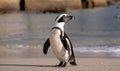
(60, 42)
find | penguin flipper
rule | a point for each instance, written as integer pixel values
(70, 50)
(67, 43)
(46, 46)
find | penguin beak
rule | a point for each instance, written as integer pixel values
(71, 17)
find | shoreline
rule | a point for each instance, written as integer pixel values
(38, 53)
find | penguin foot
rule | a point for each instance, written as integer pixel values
(64, 64)
(61, 64)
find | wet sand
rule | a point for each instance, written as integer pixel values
(48, 64)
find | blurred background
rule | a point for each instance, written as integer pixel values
(52, 5)
(25, 25)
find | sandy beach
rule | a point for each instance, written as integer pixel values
(48, 64)
(33, 59)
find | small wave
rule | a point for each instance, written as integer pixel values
(97, 49)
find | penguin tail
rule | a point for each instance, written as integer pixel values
(73, 63)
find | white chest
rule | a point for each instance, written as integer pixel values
(55, 40)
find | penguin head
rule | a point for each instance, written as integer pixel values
(63, 18)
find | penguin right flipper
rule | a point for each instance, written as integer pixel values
(46, 46)
(72, 60)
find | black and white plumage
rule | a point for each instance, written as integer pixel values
(60, 42)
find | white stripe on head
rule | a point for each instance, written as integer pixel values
(60, 16)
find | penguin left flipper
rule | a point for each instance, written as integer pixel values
(46, 46)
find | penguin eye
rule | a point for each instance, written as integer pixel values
(66, 18)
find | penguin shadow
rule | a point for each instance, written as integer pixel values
(27, 65)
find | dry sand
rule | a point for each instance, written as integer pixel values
(47, 64)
